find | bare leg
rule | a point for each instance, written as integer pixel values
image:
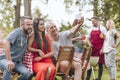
(78, 70)
(47, 76)
(63, 66)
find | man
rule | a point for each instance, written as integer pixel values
(95, 38)
(14, 49)
(64, 38)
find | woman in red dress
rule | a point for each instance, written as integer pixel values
(40, 44)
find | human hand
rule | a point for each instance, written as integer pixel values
(90, 45)
(11, 65)
(38, 59)
(41, 53)
(83, 37)
(80, 22)
(102, 36)
(114, 46)
(101, 51)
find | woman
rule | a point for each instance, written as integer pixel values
(109, 48)
(78, 44)
(40, 45)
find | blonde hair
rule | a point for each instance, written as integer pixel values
(110, 24)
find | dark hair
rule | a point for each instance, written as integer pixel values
(37, 36)
(96, 18)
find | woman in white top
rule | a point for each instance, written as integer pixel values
(110, 48)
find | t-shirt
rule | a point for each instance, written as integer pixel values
(102, 29)
(78, 43)
(56, 48)
(18, 44)
(109, 41)
(64, 40)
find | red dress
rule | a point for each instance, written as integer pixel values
(41, 67)
(97, 43)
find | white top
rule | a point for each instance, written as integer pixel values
(102, 29)
(56, 48)
(109, 41)
(64, 40)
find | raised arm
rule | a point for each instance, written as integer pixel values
(76, 38)
(76, 28)
(118, 36)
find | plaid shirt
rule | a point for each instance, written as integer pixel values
(1, 50)
(27, 61)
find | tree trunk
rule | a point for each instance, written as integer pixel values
(27, 8)
(17, 14)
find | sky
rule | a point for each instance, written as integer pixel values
(56, 11)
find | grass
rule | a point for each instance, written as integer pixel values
(105, 75)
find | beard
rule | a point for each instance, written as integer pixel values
(27, 32)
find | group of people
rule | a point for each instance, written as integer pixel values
(44, 41)
(103, 41)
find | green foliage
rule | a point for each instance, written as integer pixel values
(37, 13)
(44, 1)
(65, 27)
(6, 14)
(71, 3)
(107, 9)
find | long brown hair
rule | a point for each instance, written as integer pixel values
(37, 36)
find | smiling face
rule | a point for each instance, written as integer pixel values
(95, 22)
(41, 26)
(27, 26)
(110, 25)
(52, 29)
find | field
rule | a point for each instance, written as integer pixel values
(105, 73)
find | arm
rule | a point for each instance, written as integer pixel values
(76, 28)
(88, 36)
(10, 40)
(118, 42)
(89, 43)
(51, 53)
(29, 47)
(118, 35)
(6, 47)
(76, 38)
(7, 50)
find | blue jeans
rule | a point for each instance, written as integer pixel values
(19, 68)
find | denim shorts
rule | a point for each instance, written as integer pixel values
(79, 50)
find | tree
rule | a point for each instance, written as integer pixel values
(107, 9)
(27, 7)
(37, 13)
(17, 13)
(111, 10)
(95, 7)
(7, 14)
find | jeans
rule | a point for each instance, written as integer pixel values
(19, 68)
